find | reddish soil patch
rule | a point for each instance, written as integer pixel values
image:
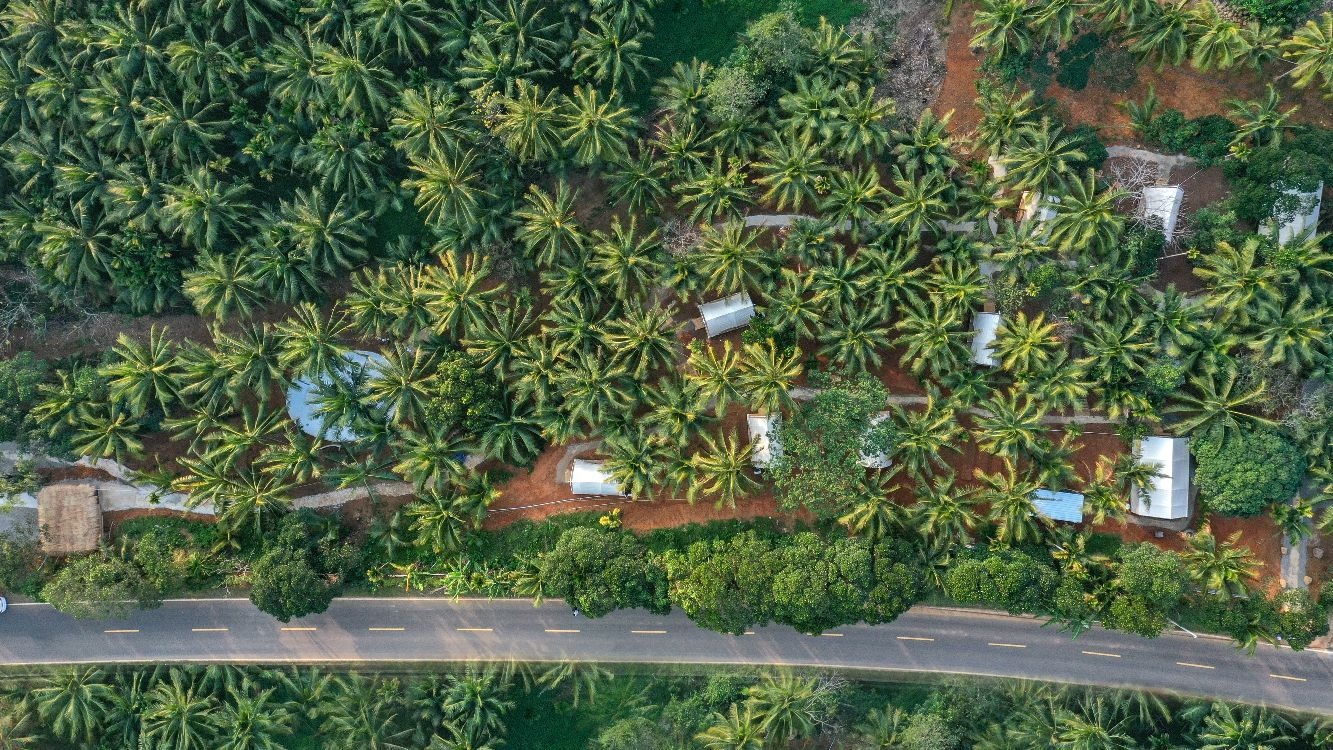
(1192, 92)
(359, 514)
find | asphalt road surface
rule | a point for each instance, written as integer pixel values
(433, 630)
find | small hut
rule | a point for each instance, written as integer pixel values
(1058, 506)
(1303, 221)
(985, 326)
(592, 478)
(726, 314)
(1168, 498)
(764, 436)
(70, 517)
(1161, 206)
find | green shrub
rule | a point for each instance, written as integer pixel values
(1141, 247)
(1284, 13)
(1244, 473)
(1074, 63)
(1300, 617)
(19, 377)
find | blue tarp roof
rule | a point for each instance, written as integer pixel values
(1059, 506)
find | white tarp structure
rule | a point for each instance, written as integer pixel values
(1169, 496)
(1059, 506)
(984, 327)
(304, 394)
(878, 460)
(1305, 221)
(591, 478)
(726, 314)
(1034, 205)
(764, 436)
(1161, 205)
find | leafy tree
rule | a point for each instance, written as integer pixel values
(99, 586)
(1011, 580)
(1245, 472)
(285, 581)
(725, 584)
(819, 585)
(598, 572)
(1150, 582)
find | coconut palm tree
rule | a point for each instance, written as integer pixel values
(595, 390)
(595, 127)
(1086, 217)
(310, 343)
(428, 119)
(1024, 344)
(873, 513)
(1096, 724)
(1010, 427)
(1238, 281)
(639, 184)
(108, 433)
(1008, 492)
(549, 228)
(1261, 123)
(791, 169)
(72, 703)
(581, 678)
(933, 340)
(1223, 569)
(1292, 336)
(735, 730)
(222, 285)
(767, 376)
(1217, 403)
(457, 292)
(927, 147)
(611, 53)
(1219, 41)
(787, 707)
(889, 272)
(253, 494)
(678, 410)
(179, 716)
(919, 204)
(431, 459)
(530, 122)
(681, 92)
(449, 187)
(723, 469)
(1237, 728)
(717, 189)
(1042, 158)
(855, 339)
(1166, 36)
(439, 523)
(921, 436)
(142, 375)
(1310, 50)
(329, 234)
(731, 259)
(1002, 28)
(956, 283)
(796, 307)
(203, 210)
(475, 702)
(362, 717)
(627, 263)
(944, 513)
(634, 460)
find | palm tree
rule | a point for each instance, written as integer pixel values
(792, 171)
(1260, 122)
(678, 410)
(716, 375)
(922, 435)
(1010, 428)
(72, 705)
(428, 119)
(627, 264)
(863, 125)
(253, 722)
(720, 188)
(108, 433)
(401, 384)
(530, 122)
(222, 285)
(926, 148)
(1043, 158)
(581, 677)
(311, 342)
(1002, 28)
(639, 184)
(1009, 494)
(448, 187)
(873, 513)
(596, 127)
(438, 522)
(767, 376)
(1292, 336)
(203, 209)
(919, 205)
(362, 717)
(1167, 36)
(956, 283)
(494, 342)
(945, 514)
(932, 339)
(734, 731)
(550, 229)
(787, 707)
(458, 293)
(1222, 569)
(731, 259)
(611, 53)
(430, 459)
(1219, 41)
(1217, 403)
(1097, 724)
(723, 469)
(1310, 50)
(144, 374)
(1249, 728)
(594, 388)
(634, 460)
(1086, 217)
(178, 716)
(1294, 519)
(474, 702)
(1024, 344)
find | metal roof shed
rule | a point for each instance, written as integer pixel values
(984, 326)
(726, 314)
(1301, 223)
(1036, 206)
(1162, 204)
(1059, 506)
(764, 436)
(878, 460)
(592, 478)
(1169, 496)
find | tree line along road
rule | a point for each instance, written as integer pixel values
(373, 631)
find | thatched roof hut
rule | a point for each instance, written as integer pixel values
(70, 518)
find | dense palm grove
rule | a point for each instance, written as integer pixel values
(229, 708)
(466, 188)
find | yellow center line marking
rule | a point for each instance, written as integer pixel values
(831, 635)
(208, 630)
(1007, 645)
(127, 630)
(648, 632)
(748, 632)
(1102, 653)
(914, 638)
(297, 630)
(1193, 665)
(560, 630)
(475, 630)
(1287, 677)
(390, 630)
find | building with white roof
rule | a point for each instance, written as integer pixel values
(1036, 206)
(764, 436)
(1059, 506)
(876, 460)
(1169, 496)
(984, 327)
(1305, 220)
(592, 478)
(1161, 205)
(726, 314)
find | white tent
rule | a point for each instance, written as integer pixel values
(1302, 222)
(1034, 205)
(1059, 506)
(878, 460)
(303, 395)
(764, 435)
(592, 478)
(1161, 203)
(1169, 496)
(984, 326)
(726, 314)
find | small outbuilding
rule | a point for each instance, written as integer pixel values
(1161, 206)
(1168, 498)
(764, 437)
(1305, 220)
(69, 516)
(726, 314)
(592, 478)
(985, 326)
(876, 460)
(1059, 506)
(1036, 206)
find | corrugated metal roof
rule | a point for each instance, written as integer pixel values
(591, 478)
(726, 314)
(1169, 496)
(764, 435)
(1059, 506)
(984, 325)
(1162, 202)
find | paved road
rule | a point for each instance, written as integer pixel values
(433, 630)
